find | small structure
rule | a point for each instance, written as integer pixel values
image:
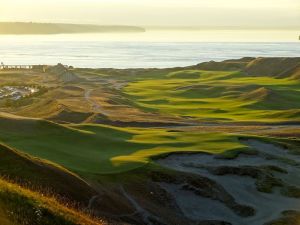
(15, 67)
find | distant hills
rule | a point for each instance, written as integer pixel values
(60, 28)
(279, 67)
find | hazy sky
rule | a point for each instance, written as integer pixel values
(156, 12)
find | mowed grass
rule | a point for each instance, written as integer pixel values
(99, 149)
(219, 96)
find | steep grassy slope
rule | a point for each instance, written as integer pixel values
(19, 206)
(43, 175)
(103, 149)
(43, 178)
(219, 96)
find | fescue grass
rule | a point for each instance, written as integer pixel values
(23, 207)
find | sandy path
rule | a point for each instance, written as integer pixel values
(95, 106)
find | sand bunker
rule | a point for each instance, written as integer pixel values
(268, 182)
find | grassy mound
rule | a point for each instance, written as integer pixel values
(227, 65)
(272, 66)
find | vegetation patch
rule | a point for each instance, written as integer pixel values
(24, 207)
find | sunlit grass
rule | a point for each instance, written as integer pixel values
(22, 206)
(220, 96)
(98, 149)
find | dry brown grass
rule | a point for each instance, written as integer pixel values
(20, 197)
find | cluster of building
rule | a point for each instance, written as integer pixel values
(16, 92)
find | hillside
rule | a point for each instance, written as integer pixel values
(122, 188)
(19, 206)
(34, 191)
(99, 149)
(219, 96)
(57, 28)
(211, 144)
(275, 67)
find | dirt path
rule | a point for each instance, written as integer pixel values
(95, 106)
(139, 210)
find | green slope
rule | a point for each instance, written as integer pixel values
(219, 96)
(28, 171)
(103, 149)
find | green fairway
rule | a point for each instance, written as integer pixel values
(104, 149)
(218, 96)
(222, 96)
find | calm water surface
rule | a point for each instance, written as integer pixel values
(150, 49)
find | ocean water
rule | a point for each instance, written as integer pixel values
(158, 49)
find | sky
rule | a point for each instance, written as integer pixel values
(243, 13)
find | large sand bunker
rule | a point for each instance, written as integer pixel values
(268, 182)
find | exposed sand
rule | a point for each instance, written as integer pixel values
(272, 150)
(268, 206)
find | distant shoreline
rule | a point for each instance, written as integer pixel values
(32, 28)
(193, 28)
(23, 28)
